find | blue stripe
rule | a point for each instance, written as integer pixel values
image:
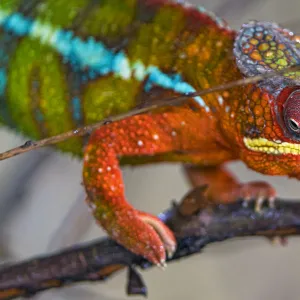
(17, 24)
(95, 56)
(3, 80)
(76, 109)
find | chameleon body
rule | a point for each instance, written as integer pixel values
(69, 63)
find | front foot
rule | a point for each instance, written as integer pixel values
(143, 234)
(259, 191)
(278, 240)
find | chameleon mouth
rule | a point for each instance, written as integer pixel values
(270, 147)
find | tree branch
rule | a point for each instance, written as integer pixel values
(196, 223)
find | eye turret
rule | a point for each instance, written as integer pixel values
(291, 112)
(294, 125)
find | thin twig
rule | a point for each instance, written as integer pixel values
(81, 131)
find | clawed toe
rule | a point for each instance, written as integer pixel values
(279, 240)
(166, 235)
(260, 192)
(261, 200)
(144, 235)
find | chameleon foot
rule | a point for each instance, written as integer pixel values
(258, 191)
(145, 235)
(279, 240)
(165, 234)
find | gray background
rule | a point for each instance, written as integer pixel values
(41, 209)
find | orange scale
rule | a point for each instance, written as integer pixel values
(140, 132)
(247, 51)
(255, 55)
(253, 41)
(226, 94)
(260, 121)
(250, 119)
(132, 134)
(267, 109)
(192, 50)
(254, 97)
(268, 38)
(258, 110)
(281, 46)
(266, 97)
(268, 117)
(269, 123)
(264, 103)
(278, 132)
(268, 130)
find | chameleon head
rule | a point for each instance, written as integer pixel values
(270, 112)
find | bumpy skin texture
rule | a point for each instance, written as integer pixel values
(68, 63)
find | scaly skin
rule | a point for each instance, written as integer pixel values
(69, 63)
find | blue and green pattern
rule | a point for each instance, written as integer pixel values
(69, 63)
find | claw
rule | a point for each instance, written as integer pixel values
(258, 204)
(144, 235)
(170, 252)
(258, 191)
(162, 265)
(164, 233)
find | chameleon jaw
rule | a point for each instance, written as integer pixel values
(271, 147)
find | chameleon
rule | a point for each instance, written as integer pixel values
(65, 64)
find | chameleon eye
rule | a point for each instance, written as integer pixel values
(294, 125)
(292, 112)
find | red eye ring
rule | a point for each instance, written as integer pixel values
(291, 111)
(287, 111)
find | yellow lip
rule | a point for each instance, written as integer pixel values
(270, 147)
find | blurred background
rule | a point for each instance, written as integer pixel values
(42, 209)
